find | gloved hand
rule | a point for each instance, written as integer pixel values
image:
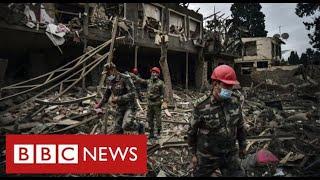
(97, 106)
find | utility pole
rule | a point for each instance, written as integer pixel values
(280, 30)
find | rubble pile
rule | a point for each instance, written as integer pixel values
(291, 123)
(170, 156)
(52, 118)
(285, 123)
(287, 78)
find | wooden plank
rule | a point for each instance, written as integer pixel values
(269, 138)
(22, 126)
(20, 87)
(53, 79)
(67, 122)
(64, 102)
(92, 65)
(75, 125)
(113, 37)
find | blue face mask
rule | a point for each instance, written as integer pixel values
(225, 93)
(111, 77)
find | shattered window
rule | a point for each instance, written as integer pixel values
(250, 48)
(114, 9)
(66, 18)
(262, 64)
(152, 11)
(194, 29)
(246, 71)
(176, 23)
(151, 17)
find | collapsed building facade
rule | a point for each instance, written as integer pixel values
(38, 37)
(280, 118)
(259, 52)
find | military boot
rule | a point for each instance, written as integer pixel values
(159, 133)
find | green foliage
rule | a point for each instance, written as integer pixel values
(310, 57)
(311, 9)
(293, 59)
(248, 16)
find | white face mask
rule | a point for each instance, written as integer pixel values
(111, 77)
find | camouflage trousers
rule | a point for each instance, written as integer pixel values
(125, 121)
(123, 117)
(229, 165)
(154, 114)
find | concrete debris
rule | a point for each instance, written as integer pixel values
(279, 172)
(285, 125)
(58, 118)
(161, 174)
(280, 107)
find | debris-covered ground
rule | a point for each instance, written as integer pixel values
(281, 108)
(285, 123)
(285, 120)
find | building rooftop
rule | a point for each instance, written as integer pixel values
(245, 39)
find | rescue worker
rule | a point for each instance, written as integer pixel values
(155, 95)
(137, 85)
(123, 92)
(216, 126)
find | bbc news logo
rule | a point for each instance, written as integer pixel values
(45, 154)
(60, 154)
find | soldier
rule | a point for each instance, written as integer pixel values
(155, 98)
(138, 86)
(216, 126)
(123, 92)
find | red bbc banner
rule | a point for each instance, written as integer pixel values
(76, 154)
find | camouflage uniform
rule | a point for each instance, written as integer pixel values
(154, 96)
(213, 133)
(138, 87)
(123, 89)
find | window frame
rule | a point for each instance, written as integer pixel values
(185, 22)
(200, 24)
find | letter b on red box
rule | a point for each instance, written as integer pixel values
(77, 154)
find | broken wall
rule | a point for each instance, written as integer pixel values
(288, 78)
(201, 72)
(147, 38)
(263, 50)
(194, 29)
(31, 54)
(149, 57)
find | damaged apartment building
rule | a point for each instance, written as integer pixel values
(39, 37)
(258, 52)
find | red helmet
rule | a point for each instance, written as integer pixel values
(135, 71)
(225, 74)
(155, 69)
